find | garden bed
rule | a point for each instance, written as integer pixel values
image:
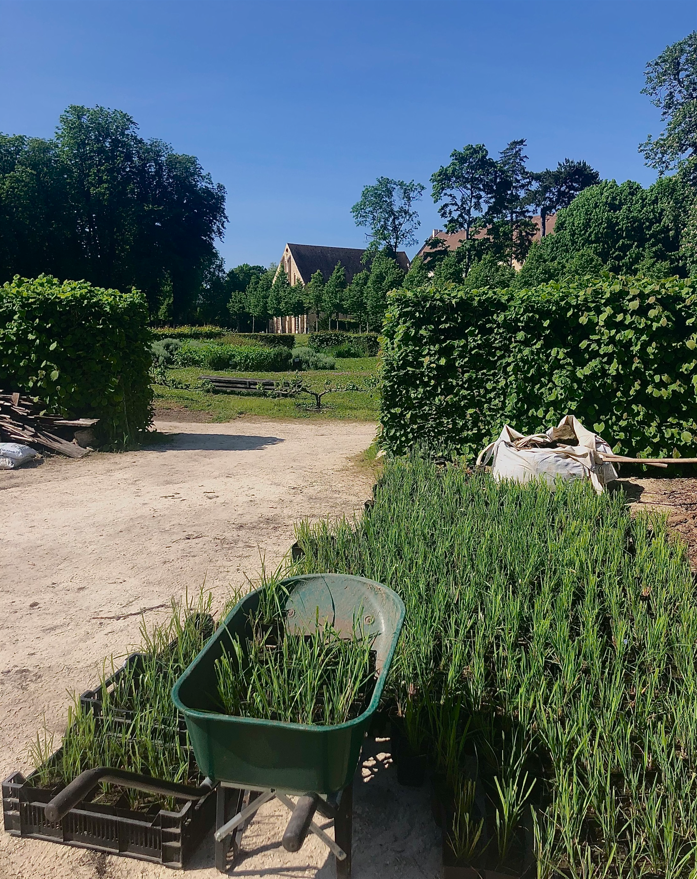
(547, 657)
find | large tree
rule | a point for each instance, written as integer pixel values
(465, 188)
(556, 188)
(386, 208)
(671, 83)
(100, 202)
(511, 230)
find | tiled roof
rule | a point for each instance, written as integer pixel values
(310, 258)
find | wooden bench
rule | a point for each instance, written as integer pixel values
(239, 385)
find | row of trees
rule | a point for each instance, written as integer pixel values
(99, 202)
(268, 293)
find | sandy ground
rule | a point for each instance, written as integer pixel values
(88, 544)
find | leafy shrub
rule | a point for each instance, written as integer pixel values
(306, 358)
(81, 350)
(366, 343)
(346, 349)
(164, 352)
(240, 358)
(619, 353)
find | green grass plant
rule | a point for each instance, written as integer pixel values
(136, 726)
(315, 677)
(564, 632)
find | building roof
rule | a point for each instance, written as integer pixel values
(452, 240)
(310, 258)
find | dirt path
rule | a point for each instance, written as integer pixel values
(87, 544)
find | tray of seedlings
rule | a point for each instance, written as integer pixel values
(279, 701)
(546, 674)
(129, 725)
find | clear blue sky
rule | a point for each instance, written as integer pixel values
(294, 106)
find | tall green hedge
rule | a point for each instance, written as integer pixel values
(367, 342)
(619, 353)
(81, 350)
(239, 358)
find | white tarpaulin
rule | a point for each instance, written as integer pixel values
(568, 451)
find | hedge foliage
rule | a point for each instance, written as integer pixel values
(82, 351)
(270, 340)
(238, 358)
(620, 353)
(365, 342)
(187, 332)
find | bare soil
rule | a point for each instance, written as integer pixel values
(91, 546)
(676, 498)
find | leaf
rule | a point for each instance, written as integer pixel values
(54, 375)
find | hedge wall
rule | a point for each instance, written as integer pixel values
(619, 353)
(240, 358)
(368, 342)
(81, 350)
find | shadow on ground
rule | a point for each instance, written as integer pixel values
(394, 834)
(212, 442)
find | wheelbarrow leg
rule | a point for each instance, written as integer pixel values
(228, 803)
(343, 831)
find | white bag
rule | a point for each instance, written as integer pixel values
(13, 455)
(568, 451)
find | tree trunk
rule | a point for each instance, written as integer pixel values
(543, 222)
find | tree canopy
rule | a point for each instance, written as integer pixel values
(99, 202)
(671, 83)
(386, 209)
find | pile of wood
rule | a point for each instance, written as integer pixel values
(21, 421)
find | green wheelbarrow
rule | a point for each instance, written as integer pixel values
(249, 761)
(253, 761)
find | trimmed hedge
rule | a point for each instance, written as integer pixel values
(186, 332)
(238, 358)
(270, 340)
(80, 350)
(619, 353)
(367, 342)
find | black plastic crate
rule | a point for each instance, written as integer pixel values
(162, 837)
(159, 835)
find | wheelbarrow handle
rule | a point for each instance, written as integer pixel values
(300, 821)
(73, 793)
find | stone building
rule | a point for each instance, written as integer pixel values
(301, 261)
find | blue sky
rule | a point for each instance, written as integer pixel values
(294, 106)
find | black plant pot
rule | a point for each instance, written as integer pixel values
(411, 766)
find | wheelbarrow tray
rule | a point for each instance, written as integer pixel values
(292, 757)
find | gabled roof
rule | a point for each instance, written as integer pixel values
(452, 240)
(310, 258)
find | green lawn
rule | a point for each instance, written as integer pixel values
(353, 405)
